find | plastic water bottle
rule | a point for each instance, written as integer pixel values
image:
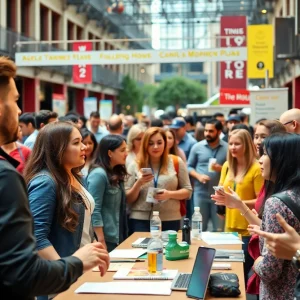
(155, 254)
(155, 223)
(196, 223)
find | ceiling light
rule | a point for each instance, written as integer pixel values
(264, 11)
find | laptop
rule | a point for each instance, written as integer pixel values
(196, 283)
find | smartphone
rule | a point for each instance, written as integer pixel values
(146, 171)
(159, 192)
(218, 188)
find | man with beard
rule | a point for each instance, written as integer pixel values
(205, 164)
(23, 274)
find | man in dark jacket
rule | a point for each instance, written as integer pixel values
(23, 274)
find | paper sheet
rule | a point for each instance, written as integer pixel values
(128, 287)
(221, 238)
(127, 253)
(113, 267)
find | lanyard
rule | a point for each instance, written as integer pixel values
(155, 180)
(216, 152)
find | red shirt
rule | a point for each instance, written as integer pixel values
(22, 158)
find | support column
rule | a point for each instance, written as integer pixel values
(80, 95)
(31, 92)
(18, 12)
(296, 92)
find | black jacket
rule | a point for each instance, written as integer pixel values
(23, 274)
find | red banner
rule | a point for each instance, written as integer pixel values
(234, 32)
(234, 96)
(82, 73)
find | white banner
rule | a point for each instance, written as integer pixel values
(268, 103)
(65, 58)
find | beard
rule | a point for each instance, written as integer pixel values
(8, 131)
(211, 139)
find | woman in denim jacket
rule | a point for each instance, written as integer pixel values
(60, 205)
(105, 182)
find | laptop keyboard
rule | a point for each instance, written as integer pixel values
(183, 281)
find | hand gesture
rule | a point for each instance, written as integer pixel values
(231, 200)
(251, 228)
(281, 245)
(93, 255)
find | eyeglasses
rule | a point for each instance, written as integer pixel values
(288, 122)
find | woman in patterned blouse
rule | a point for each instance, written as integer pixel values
(280, 165)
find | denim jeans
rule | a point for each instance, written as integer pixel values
(208, 211)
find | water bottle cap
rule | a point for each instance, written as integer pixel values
(173, 235)
(186, 220)
(197, 208)
(156, 213)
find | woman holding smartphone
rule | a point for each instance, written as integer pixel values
(173, 187)
(240, 174)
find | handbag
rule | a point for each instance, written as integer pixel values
(224, 285)
(182, 202)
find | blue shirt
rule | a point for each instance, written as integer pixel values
(186, 144)
(198, 161)
(30, 141)
(100, 134)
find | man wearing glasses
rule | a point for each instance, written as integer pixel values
(291, 120)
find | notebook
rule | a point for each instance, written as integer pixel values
(142, 274)
(126, 253)
(196, 283)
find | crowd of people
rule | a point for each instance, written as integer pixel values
(72, 190)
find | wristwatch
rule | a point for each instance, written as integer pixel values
(296, 260)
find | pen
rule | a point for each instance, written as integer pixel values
(127, 261)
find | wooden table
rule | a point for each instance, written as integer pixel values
(185, 265)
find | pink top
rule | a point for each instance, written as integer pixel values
(260, 198)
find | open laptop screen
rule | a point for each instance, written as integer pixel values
(201, 273)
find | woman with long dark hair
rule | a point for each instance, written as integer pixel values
(279, 165)
(89, 140)
(60, 205)
(105, 182)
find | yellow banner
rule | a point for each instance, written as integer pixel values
(260, 51)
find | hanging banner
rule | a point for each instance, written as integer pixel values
(59, 104)
(113, 57)
(268, 103)
(89, 105)
(105, 109)
(234, 96)
(233, 74)
(260, 51)
(82, 73)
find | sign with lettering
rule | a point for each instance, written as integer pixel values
(82, 73)
(260, 51)
(64, 58)
(268, 103)
(233, 75)
(234, 96)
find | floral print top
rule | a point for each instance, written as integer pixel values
(278, 276)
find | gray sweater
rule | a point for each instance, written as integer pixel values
(169, 210)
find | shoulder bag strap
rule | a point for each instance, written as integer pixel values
(289, 203)
(175, 163)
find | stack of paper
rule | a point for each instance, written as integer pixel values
(229, 255)
(221, 238)
(142, 274)
(137, 288)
